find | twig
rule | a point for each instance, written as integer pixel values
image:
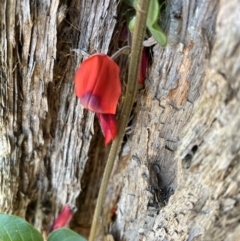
(131, 90)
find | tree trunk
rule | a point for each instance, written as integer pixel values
(177, 175)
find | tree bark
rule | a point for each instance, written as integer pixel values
(177, 175)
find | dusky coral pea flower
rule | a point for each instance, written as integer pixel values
(98, 86)
(63, 218)
(109, 126)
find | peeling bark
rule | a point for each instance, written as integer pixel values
(177, 175)
(45, 134)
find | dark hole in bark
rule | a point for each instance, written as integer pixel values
(31, 209)
(187, 161)
(194, 149)
(158, 187)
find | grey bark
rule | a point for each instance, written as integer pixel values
(177, 175)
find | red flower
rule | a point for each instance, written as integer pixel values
(109, 126)
(97, 84)
(63, 218)
(124, 33)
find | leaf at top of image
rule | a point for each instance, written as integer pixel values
(13, 228)
(152, 20)
(152, 23)
(65, 234)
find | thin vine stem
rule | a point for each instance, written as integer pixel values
(123, 50)
(131, 91)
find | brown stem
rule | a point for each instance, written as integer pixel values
(131, 90)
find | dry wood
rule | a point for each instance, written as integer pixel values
(178, 174)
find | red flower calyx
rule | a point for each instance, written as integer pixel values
(109, 126)
(63, 218)
(98, 86)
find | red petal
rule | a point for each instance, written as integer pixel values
(63, 218)
(109, 126)
(124, 33)
(98, 85)
(143, 67)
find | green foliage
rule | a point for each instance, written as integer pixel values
(131, 24)
(152, 20)
(152, 23)
(65, 234)
(13, 228)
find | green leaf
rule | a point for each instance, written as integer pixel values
(158, 34)
(13, 228)
(152, 23)
(153, 12)
(152, 20)
(65, 234)
(131, 24)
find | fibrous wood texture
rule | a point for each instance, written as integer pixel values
(45, 134)
(177, 175)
